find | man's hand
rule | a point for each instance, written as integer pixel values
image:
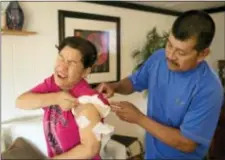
(105, 89)
(127, 111)
(66, 101)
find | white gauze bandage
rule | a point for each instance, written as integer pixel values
(82, 122)
(101, 129)
(102, 108)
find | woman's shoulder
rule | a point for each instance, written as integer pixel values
(85, 89)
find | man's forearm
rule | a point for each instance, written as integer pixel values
(31, 100)
(79, 152)
(168, 135)
(123, 87)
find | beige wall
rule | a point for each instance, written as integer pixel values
(218, 44)
(26, 61)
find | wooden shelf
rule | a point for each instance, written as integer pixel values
(16, 32)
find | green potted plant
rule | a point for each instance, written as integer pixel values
(154, 41)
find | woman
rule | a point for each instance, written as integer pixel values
(58, 94)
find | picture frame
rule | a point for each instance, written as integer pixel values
(221, 71)
(104, 32)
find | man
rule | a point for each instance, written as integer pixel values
(185, 95)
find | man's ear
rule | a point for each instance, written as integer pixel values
(86, 72)
(203, 54)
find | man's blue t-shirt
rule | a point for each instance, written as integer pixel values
(190, 101)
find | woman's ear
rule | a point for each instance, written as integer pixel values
(86, 72)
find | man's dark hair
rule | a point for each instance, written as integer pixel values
(197, 24)
(87, 49)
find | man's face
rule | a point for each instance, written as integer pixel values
(181, 55)
(69, 68)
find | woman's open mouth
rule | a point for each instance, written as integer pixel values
(61, 75)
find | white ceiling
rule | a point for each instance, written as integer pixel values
(181, 6)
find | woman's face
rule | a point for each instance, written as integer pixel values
(69, 68)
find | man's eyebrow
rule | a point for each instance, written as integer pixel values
(168, 40)
(181, 50)
(176, 47)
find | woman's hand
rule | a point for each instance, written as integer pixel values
(66, 101)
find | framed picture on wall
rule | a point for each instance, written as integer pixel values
(104, 32)
(221, 67)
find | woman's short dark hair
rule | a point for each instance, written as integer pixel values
(87, 49)
(195, 23)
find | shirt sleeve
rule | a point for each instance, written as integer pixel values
(202, 117)
(103, 99)
(41, 87)
(140, 78)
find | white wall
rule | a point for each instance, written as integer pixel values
(26, 61)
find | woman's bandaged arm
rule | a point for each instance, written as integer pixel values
(89, 146)
(87, 119)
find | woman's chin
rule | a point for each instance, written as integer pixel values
(60, 82)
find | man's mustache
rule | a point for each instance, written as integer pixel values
(171, 61)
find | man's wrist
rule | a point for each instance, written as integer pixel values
(141, 119)
(114, 86)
